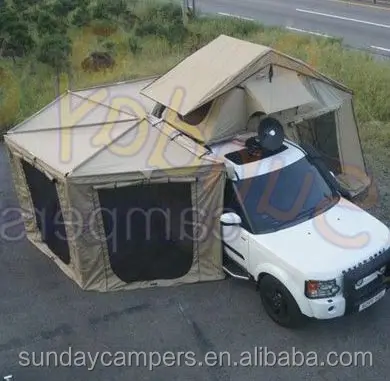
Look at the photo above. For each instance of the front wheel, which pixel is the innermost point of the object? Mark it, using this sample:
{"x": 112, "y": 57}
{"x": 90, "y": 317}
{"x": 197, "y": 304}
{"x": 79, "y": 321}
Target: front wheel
{"x": 279, "y": 304}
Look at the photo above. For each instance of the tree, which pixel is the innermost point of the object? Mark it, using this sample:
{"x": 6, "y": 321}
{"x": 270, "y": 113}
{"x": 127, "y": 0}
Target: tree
{"x": 106, "y": 9}
{"x": 22, "y": 5}
{"x": 61, "y": 8}
{"x": 81, "y": 17}
{"x": 55, "y": 51}
{"x": 7, "y": 18}
{"x": 49, "y": 25}
{"x": 15, "y": 38}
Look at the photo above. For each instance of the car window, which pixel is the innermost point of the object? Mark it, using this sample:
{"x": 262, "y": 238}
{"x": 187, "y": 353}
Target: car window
{"x": 231, "y": 203}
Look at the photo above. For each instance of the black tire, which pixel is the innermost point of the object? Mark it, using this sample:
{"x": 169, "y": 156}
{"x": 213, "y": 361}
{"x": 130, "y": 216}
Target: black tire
{"x": 279, "y": 304}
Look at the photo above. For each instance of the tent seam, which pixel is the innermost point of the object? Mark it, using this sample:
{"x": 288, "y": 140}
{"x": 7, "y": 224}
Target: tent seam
{"x": 102, "y": 104}
{"x": 94, "y": 202}
{"x": 141, "y": 79}
{"x": 73, "y": 127}
{"x": 80, "y": 165}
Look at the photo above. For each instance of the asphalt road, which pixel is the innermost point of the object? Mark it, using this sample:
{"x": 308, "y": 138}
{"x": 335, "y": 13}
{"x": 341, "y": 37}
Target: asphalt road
{"x": 41, "y": 310}
{"x": 360, "y": 24}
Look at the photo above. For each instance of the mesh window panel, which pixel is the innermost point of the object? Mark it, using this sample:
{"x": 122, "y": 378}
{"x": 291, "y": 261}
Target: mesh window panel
{"x": 149, "y": 230}
{"x": 326, "y": 140}
{"x": 47, "y": 211}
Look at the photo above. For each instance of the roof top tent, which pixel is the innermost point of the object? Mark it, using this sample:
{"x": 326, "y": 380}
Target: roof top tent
{"x": 118, "y": 201}
{"x": 230, "y": 96}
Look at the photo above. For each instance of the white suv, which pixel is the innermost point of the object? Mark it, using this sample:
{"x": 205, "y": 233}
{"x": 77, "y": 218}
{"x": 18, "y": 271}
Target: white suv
{"x": 311, "y": 252}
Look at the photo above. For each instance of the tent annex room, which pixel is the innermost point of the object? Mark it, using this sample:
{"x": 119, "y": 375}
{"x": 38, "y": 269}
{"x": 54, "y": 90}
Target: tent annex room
{"x": 117, "y": 201}
{"x": 238, "y": 82}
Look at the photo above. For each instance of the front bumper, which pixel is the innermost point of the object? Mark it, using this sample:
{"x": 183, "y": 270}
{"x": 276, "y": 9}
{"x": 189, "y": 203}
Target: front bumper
{"x": 327, "y": 308}
{"x": 353, "y": 298}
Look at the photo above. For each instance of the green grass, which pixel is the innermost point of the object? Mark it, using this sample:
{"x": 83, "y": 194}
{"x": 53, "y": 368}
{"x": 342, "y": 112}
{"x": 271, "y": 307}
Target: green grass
{"x": 32, "y": 84}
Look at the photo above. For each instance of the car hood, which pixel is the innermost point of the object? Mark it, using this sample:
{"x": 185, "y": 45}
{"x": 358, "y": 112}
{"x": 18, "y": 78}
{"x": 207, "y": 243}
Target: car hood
{"x": 333, "y": 241}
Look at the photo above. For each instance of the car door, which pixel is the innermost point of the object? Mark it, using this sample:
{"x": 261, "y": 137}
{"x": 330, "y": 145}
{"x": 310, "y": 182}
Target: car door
{"x": 235, "y": 237}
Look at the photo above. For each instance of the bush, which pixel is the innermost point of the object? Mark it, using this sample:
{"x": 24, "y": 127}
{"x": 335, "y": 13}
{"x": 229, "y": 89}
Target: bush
{"x": 54, "y": 51}
{"x": 47, "y": 24}
{"x": 134, "y": 45}
{"x": 81, "y": 17}
{"x": 18, "y": 41}
{"x": 163, "y": 12}
{"x": 107, "y": 9}
{"x": 174, "y": 33}
{"x": 61, "y": 8}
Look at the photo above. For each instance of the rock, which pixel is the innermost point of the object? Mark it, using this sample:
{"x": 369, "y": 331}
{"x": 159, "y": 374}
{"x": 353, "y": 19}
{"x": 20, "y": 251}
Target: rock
{"x": 98, "y": 61}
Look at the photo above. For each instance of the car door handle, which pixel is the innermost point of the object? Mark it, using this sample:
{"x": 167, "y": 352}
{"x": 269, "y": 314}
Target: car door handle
{"x": 243, "y": 238}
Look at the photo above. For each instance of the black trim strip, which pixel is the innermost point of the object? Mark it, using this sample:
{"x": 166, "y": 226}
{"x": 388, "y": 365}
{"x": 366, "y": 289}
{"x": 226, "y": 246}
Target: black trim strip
{"x": 229, "y": 224}
{"x": 234, "y": 251}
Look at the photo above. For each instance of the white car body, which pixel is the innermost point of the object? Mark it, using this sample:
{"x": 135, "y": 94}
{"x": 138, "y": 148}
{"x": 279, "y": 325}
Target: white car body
{"x": 322, "y": 248}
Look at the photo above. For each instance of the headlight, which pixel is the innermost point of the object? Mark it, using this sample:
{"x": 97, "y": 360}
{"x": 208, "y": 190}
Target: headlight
{"x": 315, "y": 289}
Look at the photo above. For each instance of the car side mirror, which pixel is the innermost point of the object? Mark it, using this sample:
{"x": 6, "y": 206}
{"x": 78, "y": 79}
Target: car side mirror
{"x": 230, "y": 219}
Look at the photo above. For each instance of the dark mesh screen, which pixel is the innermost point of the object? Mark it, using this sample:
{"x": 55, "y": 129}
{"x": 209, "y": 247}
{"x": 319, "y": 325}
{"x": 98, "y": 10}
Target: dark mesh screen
{"x": 47, "y": 211}
{"x": 149, "y": 230}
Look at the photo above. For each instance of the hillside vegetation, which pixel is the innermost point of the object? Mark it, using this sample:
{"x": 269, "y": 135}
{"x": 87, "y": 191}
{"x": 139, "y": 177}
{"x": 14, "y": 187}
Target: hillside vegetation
{"x": 42, "y": 41}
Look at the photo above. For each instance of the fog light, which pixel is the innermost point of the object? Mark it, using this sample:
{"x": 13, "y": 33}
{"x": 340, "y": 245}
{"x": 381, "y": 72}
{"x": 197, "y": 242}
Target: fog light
{"x": 359, "y": 282}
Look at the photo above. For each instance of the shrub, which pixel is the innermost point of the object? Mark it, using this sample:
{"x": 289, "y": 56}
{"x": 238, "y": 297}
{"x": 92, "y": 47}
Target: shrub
{"x": 134, "y": 45}
{"x": 61, "y": 8}
{"x": 81, "y": 17}
{"x": 173, "y": 32}
{"x": 18, "y": 41}
{"x": 170, "y": 12}
{"x": 54, "y": 50}
{"x": 47, "y": 24}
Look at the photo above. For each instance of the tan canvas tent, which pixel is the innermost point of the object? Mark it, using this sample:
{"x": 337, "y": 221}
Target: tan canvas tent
{"x": 118, "y": 199}
{"x": 225, "y": 87}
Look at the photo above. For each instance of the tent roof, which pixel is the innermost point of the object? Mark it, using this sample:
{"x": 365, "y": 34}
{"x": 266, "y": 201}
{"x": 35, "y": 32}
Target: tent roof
{"x": 124, "y": 94}
{"x": 216, "y": 68}
{"x": 120, "y": 101}
{"x": 104, "y": 130}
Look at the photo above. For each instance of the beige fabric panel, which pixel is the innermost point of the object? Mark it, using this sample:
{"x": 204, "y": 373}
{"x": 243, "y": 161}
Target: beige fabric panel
{"x": 115, "y": 284}
{"x": 226, "y": 117}
{"x": 25, "y": 202}
{"x": 22, "y": 193}
{"x": 282, "y": 93}
{"x": 141, "y": 152}
{"x": 123, "y": 95}
{"x": 31, "y": 159}
{"x": 68, "y": 271}
{"x": 301, "y": 67}
{"x": 89, "y": 238}
{"x": 71, "y": 110}
{"x": 70, "y": 229}
{"x": 354, "y": 171}
{"x": 210, "y": 191}
{"x": 158, "y": 174}
{"x": 231, "y": 117}
{"x": 66, "y": 149}
{"x": 183, "y": 91}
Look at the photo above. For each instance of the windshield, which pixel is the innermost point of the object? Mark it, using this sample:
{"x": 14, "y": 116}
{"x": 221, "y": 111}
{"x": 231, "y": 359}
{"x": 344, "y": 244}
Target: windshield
{"x": 285, "y": 197}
